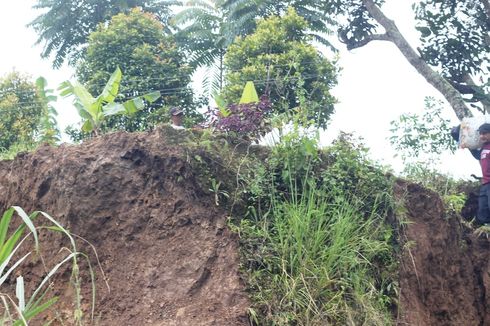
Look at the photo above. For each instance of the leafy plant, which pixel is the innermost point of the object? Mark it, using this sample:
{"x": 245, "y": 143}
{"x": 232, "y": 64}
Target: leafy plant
{"x": 318, "y": 251}
{"x": 215, "y": 188}
{"x": 21, "y": 111}
{"x": 275, "y": 57}
{"x": 455, "y": 202}
{"x": 247, "y": 119}
{"x": 50, "y": 132}
{"x": 25, "y": 307}
{"x": 422, "y": 136}
{"x": 94, "y": 111}
{"x": 139, "y": 44}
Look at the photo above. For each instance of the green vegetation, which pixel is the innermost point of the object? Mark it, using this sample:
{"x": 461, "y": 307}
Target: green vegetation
{"x": 28, "y": 306}
{"x": 283, "y": 66}
{"x": 50, "y": 132}
{"x": 21, "y": 111}
{"x": 316, "y": 245}
{"x": 150, "y": 61}
{"x": 64, "y": 25}
{"x": 424, "y": 136}
{"x": 95, "y": 111}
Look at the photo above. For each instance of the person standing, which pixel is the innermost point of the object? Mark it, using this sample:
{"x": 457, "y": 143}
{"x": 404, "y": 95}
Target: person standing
{"x": 483, "y": 155}
{"x": 483, "y": 215}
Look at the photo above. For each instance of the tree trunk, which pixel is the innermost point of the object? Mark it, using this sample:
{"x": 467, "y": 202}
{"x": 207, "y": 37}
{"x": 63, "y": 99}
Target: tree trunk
{"x": 442, "y": 85}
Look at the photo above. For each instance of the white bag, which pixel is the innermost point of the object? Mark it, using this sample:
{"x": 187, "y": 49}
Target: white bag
{"x": 469, "y": 136}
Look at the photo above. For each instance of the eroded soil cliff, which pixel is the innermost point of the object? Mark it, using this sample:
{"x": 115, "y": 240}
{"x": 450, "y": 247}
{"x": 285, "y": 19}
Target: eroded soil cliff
{"x": 169, "y": 257}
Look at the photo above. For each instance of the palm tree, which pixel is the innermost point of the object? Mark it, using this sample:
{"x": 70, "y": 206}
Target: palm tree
{"x": 244, "y": 14}
{"x": 65, "y": 25}
{"x": 206, "y": 34}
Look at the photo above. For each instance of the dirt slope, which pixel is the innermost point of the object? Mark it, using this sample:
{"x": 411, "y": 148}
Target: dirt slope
{"x": 167, "y": 252}
{"x": 445, "y": 269}
{"x": 163, "y": 243}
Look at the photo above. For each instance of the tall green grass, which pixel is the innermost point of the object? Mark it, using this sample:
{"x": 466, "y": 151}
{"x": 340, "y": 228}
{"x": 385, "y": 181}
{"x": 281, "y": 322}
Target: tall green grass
{"x": 319, "y": 255}
{"x": 25, "y": 306}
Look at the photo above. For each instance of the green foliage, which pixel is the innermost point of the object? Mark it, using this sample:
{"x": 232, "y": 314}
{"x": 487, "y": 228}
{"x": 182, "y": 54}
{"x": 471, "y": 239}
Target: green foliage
{"x": 427, "y": 135}
{"x": 350, "y": 171}
{"x": 244, "y": 15}
{"x": 316, "y": 249}
{"x": 50, "y": 132}
{"x": 150, "y": 60}
{"x": 455, "y": 202}
{"x": 15, "y": 149}
{"x": 63, "y": 26}
{"x": 21, "y": 111}
{"x": 94, "y": 111}
{"x": 454, "y": 37}
{"x": 283, "y": 66}
{"x": 205, "y": 35}
{"x": 28, "y": 307}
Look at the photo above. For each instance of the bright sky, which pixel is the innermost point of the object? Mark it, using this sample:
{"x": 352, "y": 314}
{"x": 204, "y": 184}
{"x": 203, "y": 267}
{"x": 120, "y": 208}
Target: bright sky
{"x": 376, "y": 85}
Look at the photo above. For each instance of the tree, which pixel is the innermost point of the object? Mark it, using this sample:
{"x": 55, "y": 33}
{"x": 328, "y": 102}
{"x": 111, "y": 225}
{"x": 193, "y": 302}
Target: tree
{"x": 364, "y": 21}
{"x": 416, "y": 136}
{"x": 205, "y": 35}
{"x": 283, "y": 66}
{"x": 50, "y": 132}
{"x": 244, "y": 14}
{"x": 64, "y": 26}
{"x": 455, "y": 37}
{"x": 149, "y": 60}
{"x": 21, "y": 111}
{"x": 210, "y": 26}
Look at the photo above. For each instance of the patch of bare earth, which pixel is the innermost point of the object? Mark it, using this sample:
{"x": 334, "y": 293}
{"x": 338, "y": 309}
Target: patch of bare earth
{"x": 445, "y": 267}
{"x": 167, "y": 253}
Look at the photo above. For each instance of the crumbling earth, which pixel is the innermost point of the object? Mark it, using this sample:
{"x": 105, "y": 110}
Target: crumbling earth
{"x": 169, "y": 257}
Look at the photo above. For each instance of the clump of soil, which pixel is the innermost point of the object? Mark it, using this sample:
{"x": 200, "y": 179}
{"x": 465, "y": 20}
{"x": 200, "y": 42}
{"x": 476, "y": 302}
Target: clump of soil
{"x": 164, "y": 245}
{"x": 445, "y": 267}
{"x": 168, "y": 255}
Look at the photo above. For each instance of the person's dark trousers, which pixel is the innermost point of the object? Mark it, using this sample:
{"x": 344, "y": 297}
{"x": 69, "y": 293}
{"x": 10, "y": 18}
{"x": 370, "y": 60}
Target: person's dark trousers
{"x": 484, "y": 205}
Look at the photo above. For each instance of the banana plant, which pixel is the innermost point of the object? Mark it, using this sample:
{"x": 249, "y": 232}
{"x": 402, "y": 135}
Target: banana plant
{"x": 94, "y": 110}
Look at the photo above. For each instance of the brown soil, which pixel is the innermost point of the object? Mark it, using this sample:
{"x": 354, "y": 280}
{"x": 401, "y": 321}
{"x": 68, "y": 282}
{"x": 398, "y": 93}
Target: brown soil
{"x": 169, "y": 257}
{"x": 445, "y": 266}
{"x": 162, "y": 242}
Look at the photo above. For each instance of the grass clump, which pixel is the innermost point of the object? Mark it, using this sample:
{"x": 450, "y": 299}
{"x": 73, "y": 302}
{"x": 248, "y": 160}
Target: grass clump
{"x": 319, "y": 252}
{"x": 25, "y": 306}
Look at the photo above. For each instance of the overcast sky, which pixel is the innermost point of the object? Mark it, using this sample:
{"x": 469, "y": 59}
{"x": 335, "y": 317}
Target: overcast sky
{"x": 376, "y": 84}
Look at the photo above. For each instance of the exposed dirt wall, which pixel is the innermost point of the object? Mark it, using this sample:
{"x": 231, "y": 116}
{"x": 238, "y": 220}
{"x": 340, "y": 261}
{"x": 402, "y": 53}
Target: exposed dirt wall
{"x": 445, "y": 268}
{"x": 164, "y": 245}
{"x": 169, "y": 256}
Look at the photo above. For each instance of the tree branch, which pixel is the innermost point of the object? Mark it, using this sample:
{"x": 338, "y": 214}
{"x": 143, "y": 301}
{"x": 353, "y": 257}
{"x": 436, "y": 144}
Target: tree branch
{"x": 442, "y": 85}
{"x": 374, "y": 37}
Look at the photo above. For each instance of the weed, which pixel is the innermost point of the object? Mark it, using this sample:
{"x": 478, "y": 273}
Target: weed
{"x": 215, "y": 188}
{"x": 26, "y": 308}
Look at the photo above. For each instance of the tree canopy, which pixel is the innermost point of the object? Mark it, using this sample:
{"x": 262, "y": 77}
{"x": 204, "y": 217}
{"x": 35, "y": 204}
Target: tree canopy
{"x": 21, "y": 110}
{"x": 64, "y": 26}
{"x": 441, "y": 30}
{"x": 282, "y": 65}
{"x": 205, "y": 35}
{"x": 455, "y": 37}
{"x": 149, "y": 60}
